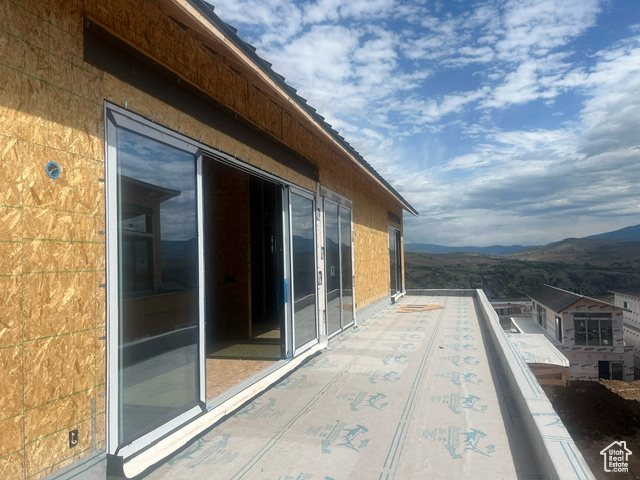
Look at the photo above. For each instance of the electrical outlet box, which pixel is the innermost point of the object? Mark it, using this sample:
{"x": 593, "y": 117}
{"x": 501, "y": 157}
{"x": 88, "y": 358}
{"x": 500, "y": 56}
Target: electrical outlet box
{"x": 73, "y": 438}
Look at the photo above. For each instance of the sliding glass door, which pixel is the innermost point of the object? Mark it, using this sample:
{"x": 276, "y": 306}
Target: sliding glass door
{"x": 156, "y": 279}
{"x": 395, "y": 262}
{"x": 338, "y": 266}
{"x": 303, "y": 266}
{"x": 154, "y": 282}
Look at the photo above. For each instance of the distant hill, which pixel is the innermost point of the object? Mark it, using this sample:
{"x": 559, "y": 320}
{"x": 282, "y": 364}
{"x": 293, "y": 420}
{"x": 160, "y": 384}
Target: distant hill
{"x": 592, "y": 266}
{"x": 583, "y": 251}
{"x": 492, "y": 250}
{"x": 628, "y": 233}
{"x": 631, "y": 233}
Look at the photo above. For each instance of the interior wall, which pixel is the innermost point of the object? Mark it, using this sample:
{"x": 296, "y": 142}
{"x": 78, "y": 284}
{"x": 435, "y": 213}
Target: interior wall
{"x": 227, "y": 250}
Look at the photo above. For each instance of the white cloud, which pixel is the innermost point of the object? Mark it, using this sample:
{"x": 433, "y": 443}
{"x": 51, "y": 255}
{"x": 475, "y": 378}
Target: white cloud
{"x": 536, "y": 28}
{"x": 434, "y": 98}
{"x": 612, "y": 115}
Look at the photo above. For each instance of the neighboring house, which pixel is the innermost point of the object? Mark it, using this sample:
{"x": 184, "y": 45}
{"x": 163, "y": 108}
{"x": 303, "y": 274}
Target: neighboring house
{"x": 168, "y": 203}
{"x": 587, "y": 331}
{"x": 512, "y": 308}
{"x": 629, "y": 299}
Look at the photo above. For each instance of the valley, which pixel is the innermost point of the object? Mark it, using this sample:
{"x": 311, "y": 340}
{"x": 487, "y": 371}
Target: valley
{"x": 589, "y": 266}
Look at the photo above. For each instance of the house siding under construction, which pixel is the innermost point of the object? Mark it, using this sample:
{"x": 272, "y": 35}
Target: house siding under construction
{"x": 169, "y": 204}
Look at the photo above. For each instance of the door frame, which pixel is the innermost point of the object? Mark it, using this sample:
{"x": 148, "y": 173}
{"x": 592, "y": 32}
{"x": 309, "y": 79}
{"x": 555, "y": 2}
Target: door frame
{"x": 397, "y": 233}
{"x": 290, "y": 280}
{"x": 116, "y": 117}
{"x": 342, "y": 203}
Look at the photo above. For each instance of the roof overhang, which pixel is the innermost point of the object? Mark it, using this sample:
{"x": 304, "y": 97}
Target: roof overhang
{"x": 210, "y": 30}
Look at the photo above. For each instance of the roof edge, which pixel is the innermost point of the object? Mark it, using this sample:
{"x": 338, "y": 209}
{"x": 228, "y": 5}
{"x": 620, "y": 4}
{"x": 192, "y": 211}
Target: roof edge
{"x": 204, "y": 13}
{"x": 580, "y": 297}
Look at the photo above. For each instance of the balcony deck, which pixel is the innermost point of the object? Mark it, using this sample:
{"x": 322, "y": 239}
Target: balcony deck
{"x": 415, "y": 392}
{"x": 429, "y": 387}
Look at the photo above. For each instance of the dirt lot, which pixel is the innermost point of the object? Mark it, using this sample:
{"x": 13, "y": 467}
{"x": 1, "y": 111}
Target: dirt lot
{"x": 597, "y": 413}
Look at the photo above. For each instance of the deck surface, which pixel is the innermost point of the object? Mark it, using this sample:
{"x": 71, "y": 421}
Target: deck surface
{"x": 412, "y": 393}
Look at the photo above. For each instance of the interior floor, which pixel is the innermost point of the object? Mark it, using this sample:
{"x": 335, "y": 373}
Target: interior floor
{"x": 243, "y": 275}
{"x": 264, "y": 344}
{"x": 224, "y": 373}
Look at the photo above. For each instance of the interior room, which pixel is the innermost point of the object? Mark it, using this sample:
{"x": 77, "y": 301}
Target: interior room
{"x": 244, "y": 274}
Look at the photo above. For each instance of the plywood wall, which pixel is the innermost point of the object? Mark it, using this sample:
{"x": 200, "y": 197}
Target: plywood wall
{"x": 52, "y": 241}
{"x": 52, "y": 321}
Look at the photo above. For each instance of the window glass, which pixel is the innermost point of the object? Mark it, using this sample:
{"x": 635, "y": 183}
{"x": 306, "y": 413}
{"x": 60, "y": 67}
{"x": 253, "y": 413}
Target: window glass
{"x": 158, "y": 283}
{"x": 581, "y": 332}
{"x": 345, "y": 262}
{"x": 304, "y": 269}
{"x": 606, "y": 332}
{"x": 332, "y": 261}
{"x": 593, "y": 332}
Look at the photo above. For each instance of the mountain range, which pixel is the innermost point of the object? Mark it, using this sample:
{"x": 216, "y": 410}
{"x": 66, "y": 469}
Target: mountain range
{"x": 595, "y": 266}
{"x": 630, "y": 234}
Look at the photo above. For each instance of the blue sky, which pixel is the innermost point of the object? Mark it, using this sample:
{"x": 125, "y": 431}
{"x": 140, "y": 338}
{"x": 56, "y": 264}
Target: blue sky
{"x": 501, "y": 121}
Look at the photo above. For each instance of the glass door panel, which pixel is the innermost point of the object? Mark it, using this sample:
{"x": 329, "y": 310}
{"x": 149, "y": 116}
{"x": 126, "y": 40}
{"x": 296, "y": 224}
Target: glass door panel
{"x": 338, "y": 266}
{"x": 157, "y": 283}
{"x": 393, "y": 262}
{"x": 303, "y": 247}
{"x": 332, "y": 261}
{"x": 346, "y": 267}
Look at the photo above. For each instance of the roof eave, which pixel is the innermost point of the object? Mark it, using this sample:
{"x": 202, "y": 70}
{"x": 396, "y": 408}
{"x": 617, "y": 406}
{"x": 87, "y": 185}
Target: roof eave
{"x": 201, "y": 12}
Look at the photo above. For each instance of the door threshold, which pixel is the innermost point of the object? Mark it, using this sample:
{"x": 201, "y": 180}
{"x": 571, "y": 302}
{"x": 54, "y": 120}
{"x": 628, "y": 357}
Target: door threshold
{"x": 397, "y": 296}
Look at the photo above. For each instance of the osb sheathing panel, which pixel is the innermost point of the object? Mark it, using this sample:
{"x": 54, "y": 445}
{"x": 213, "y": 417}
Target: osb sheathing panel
{"x": 11, "y": 436}
{"x": 11, "y": 183}
{"x": 55, "y": 416}
{"x": 12, "y": 380}
{"x": 51, "y": 254}
{"x": 56, "y": 445}
{"x": 149, "y": 107}
{"x": 12, "y": 465}
{"x": 11, "y": 312}
{"x": 265, "y": 112}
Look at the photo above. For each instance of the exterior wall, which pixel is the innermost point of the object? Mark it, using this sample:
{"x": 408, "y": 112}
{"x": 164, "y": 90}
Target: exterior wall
{"x": 631, "y": 322}
{"x": 584, "y": 359}
{"x": 370, "y": 204}
{"x": 584, "y": 365}
{"x": 371, "y": 223}
{"x": 52, "y": 321}
{"x": 396, "y": 213}
{"x": 52, "y": 266}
